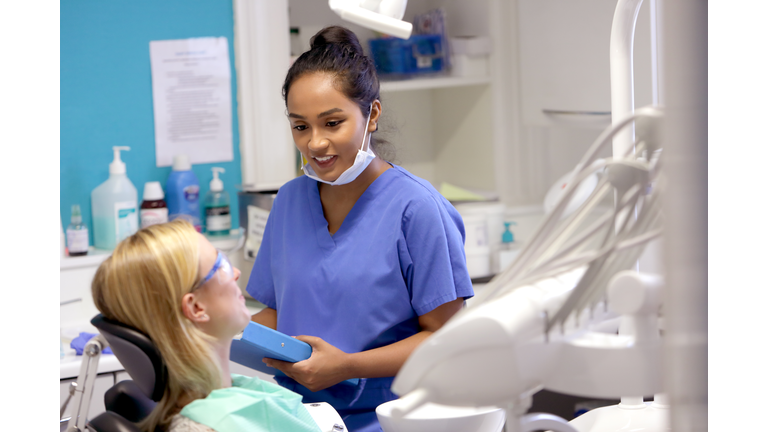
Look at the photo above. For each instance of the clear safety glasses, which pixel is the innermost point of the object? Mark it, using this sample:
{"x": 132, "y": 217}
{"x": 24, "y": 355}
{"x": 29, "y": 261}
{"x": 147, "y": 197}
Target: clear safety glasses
{"x": 222, "y": 263}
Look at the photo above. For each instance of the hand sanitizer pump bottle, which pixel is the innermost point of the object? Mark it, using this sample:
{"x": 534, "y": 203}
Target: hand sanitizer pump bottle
{"x": 509, "y": 248}
{"x": 218, "y": 220}
{"x": 114, "y": 206}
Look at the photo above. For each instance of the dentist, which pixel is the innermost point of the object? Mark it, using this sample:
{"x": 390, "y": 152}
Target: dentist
{"x": 360, "y": 258}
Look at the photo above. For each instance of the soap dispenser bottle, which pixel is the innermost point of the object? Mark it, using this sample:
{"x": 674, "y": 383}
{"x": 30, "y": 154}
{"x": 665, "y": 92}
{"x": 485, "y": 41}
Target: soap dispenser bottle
{"x": 507, "y": 238}
{"x": 218, "y": 220}
{"x": 114, "y": 206}
{"x": 509, "y": 249}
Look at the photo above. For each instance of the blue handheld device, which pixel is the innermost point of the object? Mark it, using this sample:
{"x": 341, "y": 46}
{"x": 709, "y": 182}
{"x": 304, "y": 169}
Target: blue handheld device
{"x": 259, "y": 341}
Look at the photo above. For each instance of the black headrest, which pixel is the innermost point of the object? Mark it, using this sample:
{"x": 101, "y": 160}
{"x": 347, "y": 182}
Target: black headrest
{"x": 138, "y": 355}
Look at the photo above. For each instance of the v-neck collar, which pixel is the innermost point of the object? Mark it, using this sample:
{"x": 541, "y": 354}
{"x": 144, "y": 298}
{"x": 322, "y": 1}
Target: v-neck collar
{"x": 327, "y": 241}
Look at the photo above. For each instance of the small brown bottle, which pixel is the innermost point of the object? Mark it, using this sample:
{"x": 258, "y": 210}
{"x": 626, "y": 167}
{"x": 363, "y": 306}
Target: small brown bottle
{"x": 153, "y": 209}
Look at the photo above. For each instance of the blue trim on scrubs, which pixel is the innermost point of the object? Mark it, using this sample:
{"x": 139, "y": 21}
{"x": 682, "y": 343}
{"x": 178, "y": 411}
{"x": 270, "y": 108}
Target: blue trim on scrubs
{"x": 398, "y": 254}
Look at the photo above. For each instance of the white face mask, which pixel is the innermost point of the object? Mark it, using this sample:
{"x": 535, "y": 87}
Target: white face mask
{"x": 362, "y": 160}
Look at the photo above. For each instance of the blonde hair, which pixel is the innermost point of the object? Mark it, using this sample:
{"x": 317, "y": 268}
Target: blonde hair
{"x": 142, "y": 285}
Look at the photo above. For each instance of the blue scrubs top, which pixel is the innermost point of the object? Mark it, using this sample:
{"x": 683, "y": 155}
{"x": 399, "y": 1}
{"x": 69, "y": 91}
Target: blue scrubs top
{"x": 398, "y": 254}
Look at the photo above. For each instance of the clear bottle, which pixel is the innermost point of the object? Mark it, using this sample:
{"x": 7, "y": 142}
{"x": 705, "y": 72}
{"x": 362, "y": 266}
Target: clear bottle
{"x": 77, "y": 234}
{"x": 218, "y": 220}
{"x": 153, "y": 208}
{"x": 114, "y": 206}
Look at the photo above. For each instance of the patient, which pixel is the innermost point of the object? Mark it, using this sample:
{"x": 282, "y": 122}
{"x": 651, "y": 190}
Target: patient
{"x": 170, "y": 283}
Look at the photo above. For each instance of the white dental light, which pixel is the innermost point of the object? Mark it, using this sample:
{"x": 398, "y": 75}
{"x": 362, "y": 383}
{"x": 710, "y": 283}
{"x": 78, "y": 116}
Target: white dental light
{"x": 380, "y": 15}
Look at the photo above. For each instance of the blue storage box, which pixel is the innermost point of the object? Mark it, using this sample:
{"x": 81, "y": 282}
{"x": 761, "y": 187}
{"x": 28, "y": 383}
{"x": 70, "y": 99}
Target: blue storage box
{"x": 419, "y": 54}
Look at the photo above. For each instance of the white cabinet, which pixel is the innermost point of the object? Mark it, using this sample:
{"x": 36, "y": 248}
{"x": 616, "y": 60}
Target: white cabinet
{"x": 101, "y": 384}
{"x": 77, "y": 309}
{"x": 564, "y": 60}
{"x": 262, "y": 57}
{"x": 443, "y": 134}
{"x": 555, "y": 56}
{"x": 76, "y": 275}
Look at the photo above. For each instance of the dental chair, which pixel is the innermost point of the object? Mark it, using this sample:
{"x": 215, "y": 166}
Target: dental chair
{"x": 130, "y": 401}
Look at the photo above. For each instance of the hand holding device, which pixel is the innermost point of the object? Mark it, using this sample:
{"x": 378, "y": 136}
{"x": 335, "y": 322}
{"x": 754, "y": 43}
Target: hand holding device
{"x": 326, "y": 366}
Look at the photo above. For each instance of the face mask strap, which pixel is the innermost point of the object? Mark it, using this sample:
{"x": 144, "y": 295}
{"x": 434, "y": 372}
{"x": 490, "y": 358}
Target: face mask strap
{"x": 301, "y": 161}
{"x": 366, "y": 133}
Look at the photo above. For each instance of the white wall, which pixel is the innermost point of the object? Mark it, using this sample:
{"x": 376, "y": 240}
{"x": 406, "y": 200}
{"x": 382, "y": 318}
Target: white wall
{"x": 464, "y": 137}
{"x": 443, "y": 135}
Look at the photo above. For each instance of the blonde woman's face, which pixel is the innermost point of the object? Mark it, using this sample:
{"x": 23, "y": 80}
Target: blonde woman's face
{"x": 221, "y": 297}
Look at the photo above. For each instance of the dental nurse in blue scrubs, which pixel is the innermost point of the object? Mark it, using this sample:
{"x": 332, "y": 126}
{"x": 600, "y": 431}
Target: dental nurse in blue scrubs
{"x": 360, "y": 258}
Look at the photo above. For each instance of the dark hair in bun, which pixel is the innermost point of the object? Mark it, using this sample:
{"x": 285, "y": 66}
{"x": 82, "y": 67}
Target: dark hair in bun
{"x": 336, "y": 50}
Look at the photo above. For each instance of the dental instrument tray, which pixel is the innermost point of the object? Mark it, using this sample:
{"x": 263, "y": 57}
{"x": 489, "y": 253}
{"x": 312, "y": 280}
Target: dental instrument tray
{"x": 259, "y": 341}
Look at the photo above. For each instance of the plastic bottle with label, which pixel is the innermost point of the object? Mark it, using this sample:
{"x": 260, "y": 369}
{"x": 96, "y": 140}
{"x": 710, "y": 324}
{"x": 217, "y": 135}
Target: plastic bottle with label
{"x": 218, "y": 219}
{"x": 183, "y": 192}
{"x": 77, "y": 234}
{"x": 509, "y": 249}
{"x": 114, "y": 206}
{"x": 153, "y": 208}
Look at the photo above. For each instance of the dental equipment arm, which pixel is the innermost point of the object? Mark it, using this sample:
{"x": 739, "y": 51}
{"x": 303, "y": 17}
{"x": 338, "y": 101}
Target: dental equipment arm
{"x": 84, "y": 389}
{"x": 532, "y": 326}
{"x": 380, "y": 15}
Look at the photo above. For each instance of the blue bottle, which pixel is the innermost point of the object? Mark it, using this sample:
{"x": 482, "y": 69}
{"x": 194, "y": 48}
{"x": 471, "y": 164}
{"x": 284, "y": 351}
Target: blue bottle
{"x": 183, "y": 193}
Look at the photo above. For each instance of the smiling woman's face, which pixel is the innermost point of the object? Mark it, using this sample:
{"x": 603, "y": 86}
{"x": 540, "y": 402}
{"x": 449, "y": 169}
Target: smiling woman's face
{"x": 327, "y": 127}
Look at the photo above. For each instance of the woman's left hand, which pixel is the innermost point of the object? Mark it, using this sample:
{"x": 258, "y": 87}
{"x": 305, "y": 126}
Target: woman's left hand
{"x": 325, "y": 367}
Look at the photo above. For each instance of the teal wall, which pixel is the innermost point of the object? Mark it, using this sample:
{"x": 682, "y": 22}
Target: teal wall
{"x": 106, "y": 91}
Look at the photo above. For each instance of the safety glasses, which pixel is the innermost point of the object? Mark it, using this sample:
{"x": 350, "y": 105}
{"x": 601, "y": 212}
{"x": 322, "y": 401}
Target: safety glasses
{"x": 222, "y": 263}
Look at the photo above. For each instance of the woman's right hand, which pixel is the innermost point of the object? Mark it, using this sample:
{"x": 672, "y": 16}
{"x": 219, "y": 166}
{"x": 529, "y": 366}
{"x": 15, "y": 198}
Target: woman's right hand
{"x": 326, "y": 366}
{"x": 266, "y": 317}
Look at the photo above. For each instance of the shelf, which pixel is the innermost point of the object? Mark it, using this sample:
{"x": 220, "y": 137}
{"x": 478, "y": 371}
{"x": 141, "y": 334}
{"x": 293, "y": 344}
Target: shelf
{"x": 432, "y": 83}
{"x": 94, "y": 258}
{"x": 227, "y": 243}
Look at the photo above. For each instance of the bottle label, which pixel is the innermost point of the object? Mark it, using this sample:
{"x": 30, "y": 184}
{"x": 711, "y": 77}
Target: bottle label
{"x": 191, "y": 219}
{"x": 153, "y": 216}
{"x": 217, "y": 219}
{"x": 77, "y": 240}
{"x": 257, "y": 223}
{"x": 191, "y": 193}
{"x": 126, "y": 219}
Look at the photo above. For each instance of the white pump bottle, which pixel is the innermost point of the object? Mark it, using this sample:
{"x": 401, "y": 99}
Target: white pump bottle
{"x": 114, "y": 206}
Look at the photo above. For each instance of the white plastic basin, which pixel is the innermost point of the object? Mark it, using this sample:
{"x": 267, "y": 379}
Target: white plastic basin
{"x": 440, "y": 418}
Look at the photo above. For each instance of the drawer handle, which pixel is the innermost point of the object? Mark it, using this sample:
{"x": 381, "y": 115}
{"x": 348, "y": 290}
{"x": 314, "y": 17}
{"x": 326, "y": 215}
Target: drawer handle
{"x": 576, "y": 113}
{"x": 66, "y": 302}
